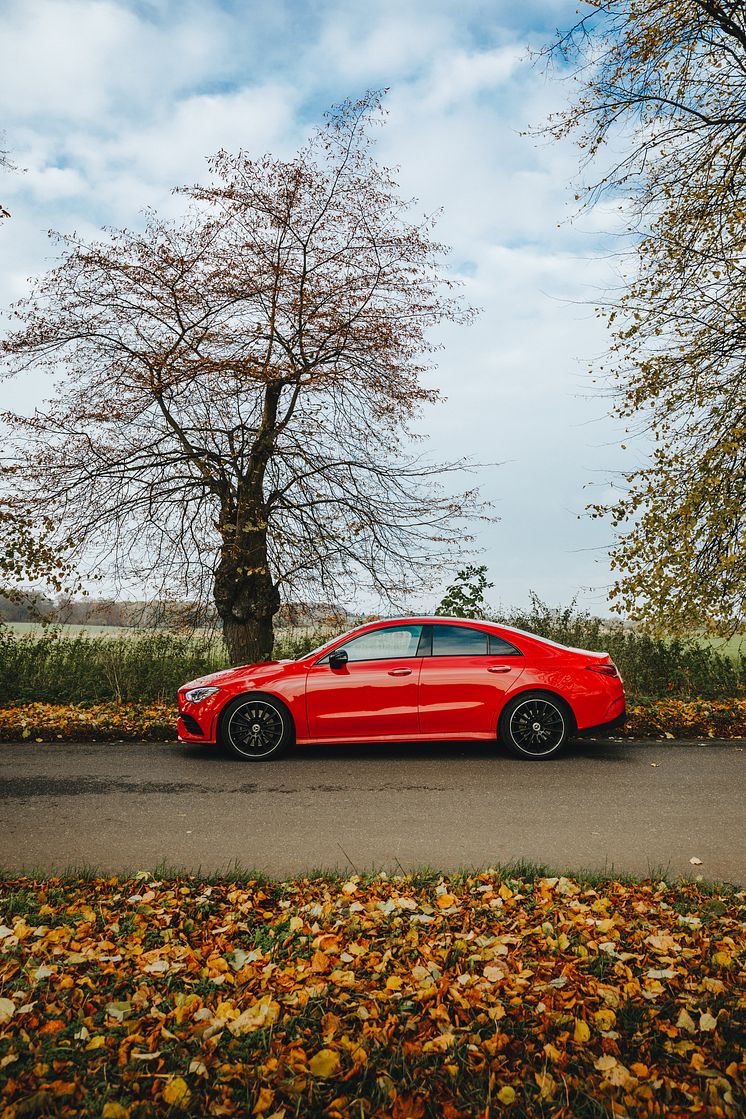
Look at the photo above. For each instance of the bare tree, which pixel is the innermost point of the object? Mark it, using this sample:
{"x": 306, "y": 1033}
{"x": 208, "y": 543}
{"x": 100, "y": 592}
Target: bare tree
{"x": 5, "y": 165}
{"x": 238, "y": 385}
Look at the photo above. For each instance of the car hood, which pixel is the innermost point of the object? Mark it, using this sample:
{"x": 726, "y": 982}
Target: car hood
{"x": 261, "y": 671}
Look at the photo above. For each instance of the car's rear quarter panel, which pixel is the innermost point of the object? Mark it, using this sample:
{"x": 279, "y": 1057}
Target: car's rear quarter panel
{"x": 592, "y": 698}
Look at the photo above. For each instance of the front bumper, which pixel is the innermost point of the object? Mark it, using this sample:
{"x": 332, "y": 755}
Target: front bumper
{"x": 198, "y": 721}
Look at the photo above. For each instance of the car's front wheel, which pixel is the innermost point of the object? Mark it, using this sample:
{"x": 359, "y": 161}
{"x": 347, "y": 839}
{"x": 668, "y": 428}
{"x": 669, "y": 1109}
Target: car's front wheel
{"x": 255, "y": 727}
{"x": 534, "y": 725}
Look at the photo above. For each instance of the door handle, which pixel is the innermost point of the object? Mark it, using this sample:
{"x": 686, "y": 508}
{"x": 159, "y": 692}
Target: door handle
{"x": 400, "y": 672}
{"x": 500, "y": 668}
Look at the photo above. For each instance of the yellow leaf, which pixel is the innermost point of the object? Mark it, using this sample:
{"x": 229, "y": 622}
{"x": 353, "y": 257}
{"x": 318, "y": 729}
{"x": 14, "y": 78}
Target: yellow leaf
{"x": 603, "y": 1064}
{"x": 445, "y": 901}
{"x": 264, "y": 1100}
{"x": 262, "y": 1013}
{"x": 546, "y": 1084}
{"x": 176, "y": 1092}
{"x": 707, "y": 1022}
{"x": 605, "y": 1019}
{"x": 506, "y": 1095}
{"x": 114, "y": 1110}
{"x": 97, "y": 1042}
{"x": 325, "y": 1063}
{"x": 226, "y": 1011}
{"x": 394, "y": 983}
{"x": 7, "y": 1010}
{"x": 685, "y": 1021}
{"x": 582, "y": 1031}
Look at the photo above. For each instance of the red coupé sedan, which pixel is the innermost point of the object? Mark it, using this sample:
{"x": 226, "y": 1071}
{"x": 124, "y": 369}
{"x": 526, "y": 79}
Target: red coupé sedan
{"x": 414, "y": 679}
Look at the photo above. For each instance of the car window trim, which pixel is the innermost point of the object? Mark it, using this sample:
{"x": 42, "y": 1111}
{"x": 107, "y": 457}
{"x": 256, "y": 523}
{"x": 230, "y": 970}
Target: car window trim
{"x": 469, "y": 653}
{"x": 376, "y": 660}
{"x": 515, "y": 651}
{"x": 488, "y": 633}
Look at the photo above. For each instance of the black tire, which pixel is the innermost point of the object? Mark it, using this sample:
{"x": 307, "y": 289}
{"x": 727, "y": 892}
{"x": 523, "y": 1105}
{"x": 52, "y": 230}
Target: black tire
{"x": 255, "y": 727}
{"x": 535, "y": 725}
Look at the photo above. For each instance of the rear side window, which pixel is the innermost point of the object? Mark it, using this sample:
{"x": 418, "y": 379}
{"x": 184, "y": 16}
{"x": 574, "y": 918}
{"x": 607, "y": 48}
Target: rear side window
{"x": 459, "y": 641}
{"x": 499, "y": 647}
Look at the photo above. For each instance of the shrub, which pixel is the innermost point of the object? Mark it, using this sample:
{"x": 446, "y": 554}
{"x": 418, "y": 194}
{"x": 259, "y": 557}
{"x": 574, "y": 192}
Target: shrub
{"x": 149, "y": 666}
{"x": 650, "y": 666}
{"x": 51, "y": 667}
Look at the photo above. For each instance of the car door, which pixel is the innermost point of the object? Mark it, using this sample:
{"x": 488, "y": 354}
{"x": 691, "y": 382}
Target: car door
{"x": 463, "y": 682}
{"x": 373, "y": 695}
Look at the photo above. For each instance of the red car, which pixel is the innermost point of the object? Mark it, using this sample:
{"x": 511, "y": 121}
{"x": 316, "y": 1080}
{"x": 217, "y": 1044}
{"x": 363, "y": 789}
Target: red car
{"x": 414, "y": 679}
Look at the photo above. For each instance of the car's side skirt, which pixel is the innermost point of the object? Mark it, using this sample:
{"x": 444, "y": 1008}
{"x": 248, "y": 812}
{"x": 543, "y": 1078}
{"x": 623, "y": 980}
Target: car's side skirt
{"x": 483, "y": 737}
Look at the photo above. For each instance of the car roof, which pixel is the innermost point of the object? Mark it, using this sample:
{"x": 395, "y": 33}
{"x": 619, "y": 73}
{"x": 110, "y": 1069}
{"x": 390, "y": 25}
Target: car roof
{"x": 423, "y": 619}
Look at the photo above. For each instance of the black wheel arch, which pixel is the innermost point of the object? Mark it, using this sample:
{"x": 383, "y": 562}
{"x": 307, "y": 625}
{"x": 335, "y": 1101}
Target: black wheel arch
{"x": 545, "y": 693}
{"x": 254, "y": 693}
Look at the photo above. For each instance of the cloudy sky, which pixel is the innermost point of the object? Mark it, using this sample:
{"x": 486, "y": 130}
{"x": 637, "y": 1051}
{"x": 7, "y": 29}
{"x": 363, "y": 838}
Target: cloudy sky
{"x": 107, "y": 104}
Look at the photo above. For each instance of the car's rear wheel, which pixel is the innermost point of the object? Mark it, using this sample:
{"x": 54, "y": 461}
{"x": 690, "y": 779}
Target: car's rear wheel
{"x": 535, "y": 725}
{"x": 256, "y": 727}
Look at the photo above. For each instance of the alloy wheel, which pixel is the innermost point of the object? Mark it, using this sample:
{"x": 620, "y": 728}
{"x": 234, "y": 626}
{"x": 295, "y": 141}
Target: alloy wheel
{"x": 256, "y": 728}
{"x": 537, "y": 727}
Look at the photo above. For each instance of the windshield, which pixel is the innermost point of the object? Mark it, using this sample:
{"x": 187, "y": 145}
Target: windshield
{"x": 330, "y": 641}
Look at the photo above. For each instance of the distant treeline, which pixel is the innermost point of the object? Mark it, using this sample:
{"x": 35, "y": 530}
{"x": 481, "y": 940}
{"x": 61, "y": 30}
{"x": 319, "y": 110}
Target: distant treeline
{"x": 64, "y": 610}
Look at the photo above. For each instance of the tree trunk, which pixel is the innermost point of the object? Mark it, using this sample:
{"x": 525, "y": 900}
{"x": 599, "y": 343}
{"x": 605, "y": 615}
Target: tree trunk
{"x": 245, "y": 594}
{"x": 249, "y": 641}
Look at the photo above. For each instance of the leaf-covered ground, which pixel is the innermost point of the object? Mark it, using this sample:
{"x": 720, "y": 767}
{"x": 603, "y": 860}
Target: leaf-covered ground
{"x": 49, "y": 722}
{"x": 415, "y": 996}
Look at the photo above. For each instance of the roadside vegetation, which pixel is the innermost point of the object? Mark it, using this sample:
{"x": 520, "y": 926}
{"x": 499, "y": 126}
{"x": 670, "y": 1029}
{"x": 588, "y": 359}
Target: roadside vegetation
{"x": 156, "y": 721}
{"x": 500, "y": 993}
{"x": 57, "y": 686}
{"x": 55, "y": 667}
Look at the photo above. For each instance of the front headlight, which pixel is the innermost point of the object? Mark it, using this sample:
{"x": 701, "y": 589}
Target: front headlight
{"x": 196, "y": 695}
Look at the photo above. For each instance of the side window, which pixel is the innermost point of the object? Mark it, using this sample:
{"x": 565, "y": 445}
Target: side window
{"x": 388, "y": 643}
{"x": 459, "y": 641}
{"x": 499, "y": 647}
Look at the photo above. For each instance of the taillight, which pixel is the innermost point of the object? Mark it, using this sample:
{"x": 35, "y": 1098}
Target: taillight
{"x": 603, "y": 669}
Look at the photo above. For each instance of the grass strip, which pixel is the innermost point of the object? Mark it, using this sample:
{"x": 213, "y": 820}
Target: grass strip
{"x": 498, "y": 993}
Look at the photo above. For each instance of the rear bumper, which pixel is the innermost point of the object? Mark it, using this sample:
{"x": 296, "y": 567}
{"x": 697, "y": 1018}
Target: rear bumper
{"x": 605, "y": 728}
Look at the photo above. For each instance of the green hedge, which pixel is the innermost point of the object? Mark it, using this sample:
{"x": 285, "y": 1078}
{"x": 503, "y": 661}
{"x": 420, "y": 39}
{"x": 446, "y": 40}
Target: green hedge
{"x": 650, "y": 666}
{"x": 55, "y": 668}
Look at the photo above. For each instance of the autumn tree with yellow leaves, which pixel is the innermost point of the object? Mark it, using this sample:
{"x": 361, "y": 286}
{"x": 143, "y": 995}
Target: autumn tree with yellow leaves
{"x": 663, "y": 84}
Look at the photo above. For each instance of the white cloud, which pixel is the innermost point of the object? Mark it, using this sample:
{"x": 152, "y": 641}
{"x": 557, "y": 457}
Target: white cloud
{"x": 381, "y": 43}
{"x": 110, "y": 104}
{"x": 79, "y": 60}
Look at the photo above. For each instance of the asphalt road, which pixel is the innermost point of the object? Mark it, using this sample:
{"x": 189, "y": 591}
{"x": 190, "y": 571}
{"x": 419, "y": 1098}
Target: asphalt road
{"x": 604, "y": 805}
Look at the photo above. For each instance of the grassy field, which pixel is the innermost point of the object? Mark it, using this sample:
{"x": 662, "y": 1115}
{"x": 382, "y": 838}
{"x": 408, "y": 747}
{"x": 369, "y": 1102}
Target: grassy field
{"x": 728, "y": 646}
{"x": 72, "y": 631}
{"x": 509, "y": 992}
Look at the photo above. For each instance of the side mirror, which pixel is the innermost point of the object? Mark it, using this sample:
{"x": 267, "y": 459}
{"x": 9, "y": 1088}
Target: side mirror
{"x": 338, "y": 659}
